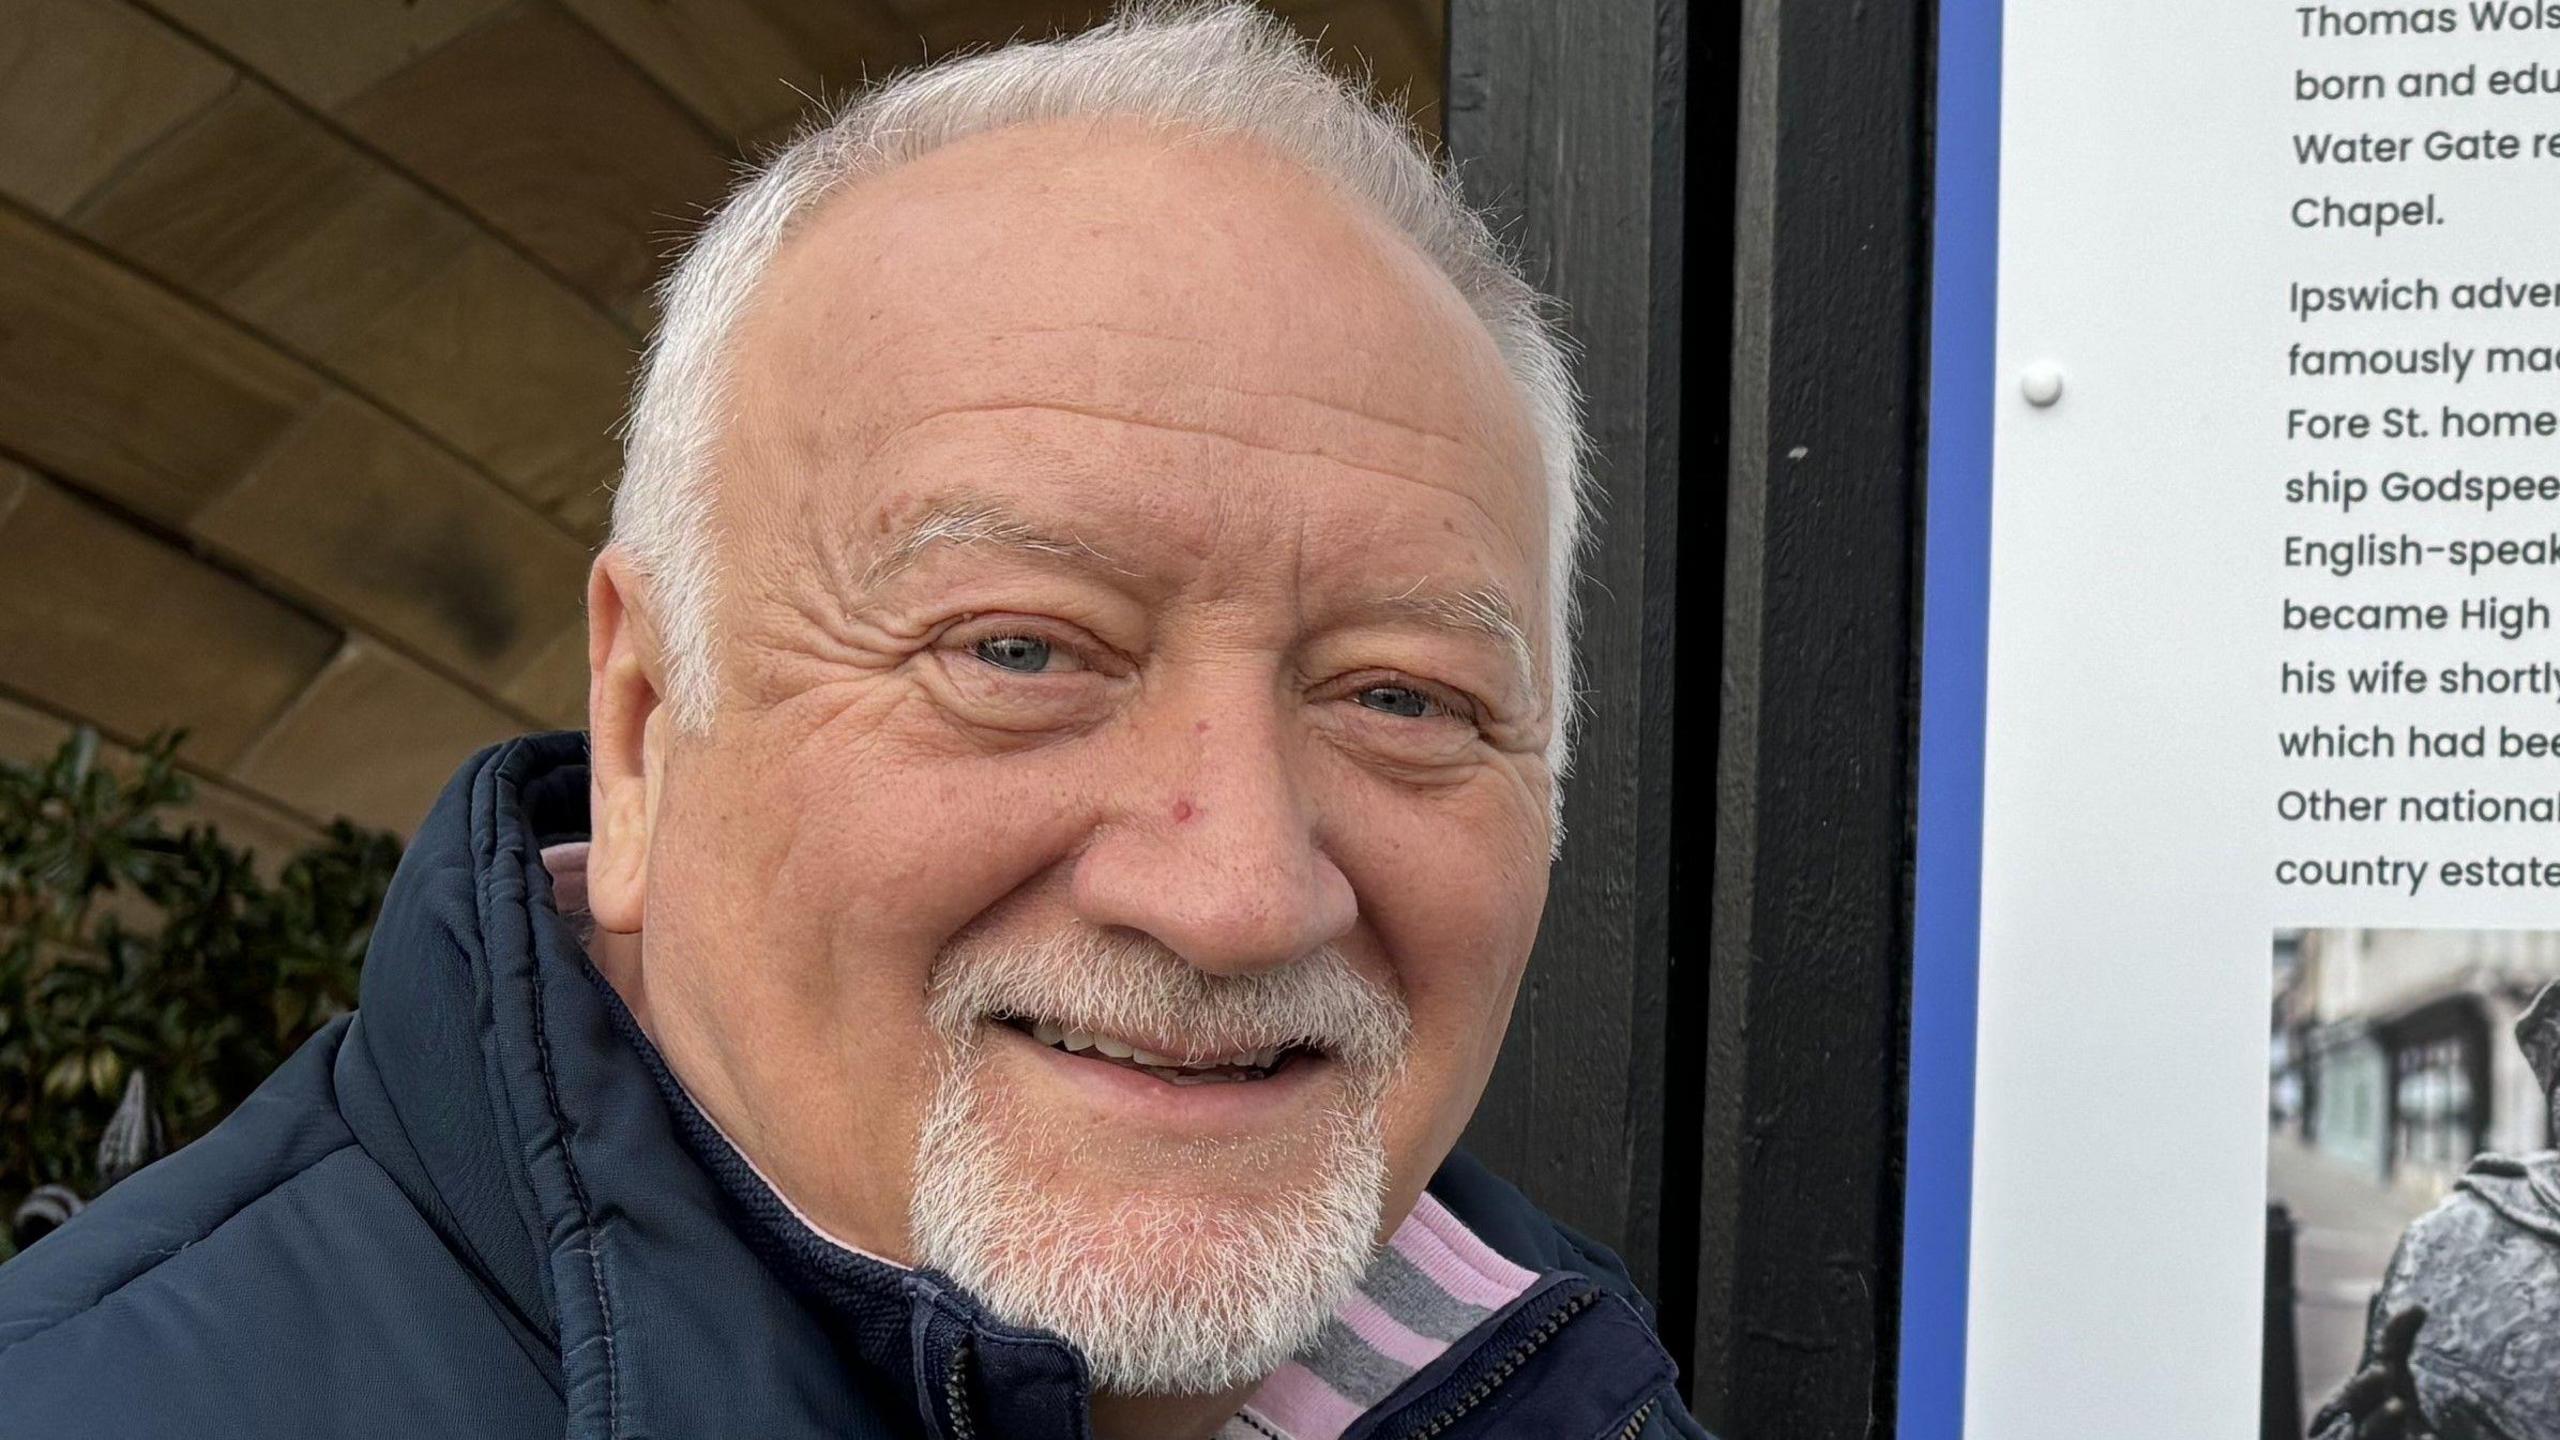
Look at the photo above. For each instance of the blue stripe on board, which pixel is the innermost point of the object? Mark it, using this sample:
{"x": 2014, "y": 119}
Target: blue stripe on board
{"x": 1947, "y": 907}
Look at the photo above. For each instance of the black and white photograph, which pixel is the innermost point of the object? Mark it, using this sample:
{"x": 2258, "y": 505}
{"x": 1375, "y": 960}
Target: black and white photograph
{"x": 2413, "y": 1195}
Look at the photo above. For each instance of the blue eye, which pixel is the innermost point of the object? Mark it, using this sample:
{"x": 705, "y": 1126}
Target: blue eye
{"x": 1022, "y": 654}
{"x": 1402, "y": 701}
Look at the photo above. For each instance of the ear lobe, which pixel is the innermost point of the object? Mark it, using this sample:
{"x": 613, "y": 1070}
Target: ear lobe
{"x": 626, "y": 720}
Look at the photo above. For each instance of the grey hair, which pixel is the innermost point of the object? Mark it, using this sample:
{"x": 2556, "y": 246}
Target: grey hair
{"x": 1208, "y": 69}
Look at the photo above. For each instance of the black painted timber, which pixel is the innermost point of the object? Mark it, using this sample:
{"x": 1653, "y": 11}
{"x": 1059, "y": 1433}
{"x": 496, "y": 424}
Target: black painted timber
{"x": 1706, "y": 1069}
{"x": 1715, "y": 36}
{"x": 1807, "y": 1008}
{"x": 1566, "y": 120}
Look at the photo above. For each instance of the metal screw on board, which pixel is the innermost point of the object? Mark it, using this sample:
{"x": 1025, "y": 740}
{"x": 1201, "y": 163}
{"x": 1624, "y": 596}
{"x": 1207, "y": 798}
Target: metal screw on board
{"x": 2042, "y": 384}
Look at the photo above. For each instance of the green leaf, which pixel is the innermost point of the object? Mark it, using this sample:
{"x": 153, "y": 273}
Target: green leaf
{"x": 106, "y": 1070}
{"x": 123, "y": 943}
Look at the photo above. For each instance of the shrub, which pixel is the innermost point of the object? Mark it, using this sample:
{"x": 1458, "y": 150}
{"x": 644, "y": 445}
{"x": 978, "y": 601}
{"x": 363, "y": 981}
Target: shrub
{"x": 124, "y": 947}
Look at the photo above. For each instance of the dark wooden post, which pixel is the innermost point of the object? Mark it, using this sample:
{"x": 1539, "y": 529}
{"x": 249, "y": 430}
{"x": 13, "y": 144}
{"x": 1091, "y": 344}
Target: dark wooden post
{"x": 1567, "y": 120}
{"x": 1809, "y": 978}
{"x": 1707, "y": 1066}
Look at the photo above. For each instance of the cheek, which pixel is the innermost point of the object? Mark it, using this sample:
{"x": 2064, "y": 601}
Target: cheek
{"x": 1460, "y": 976}
{"x": 898, "y": 847}
{"x": 803, "y": 882}
{"x": 812, "y": 862}
{"x": 1456, "y": 917}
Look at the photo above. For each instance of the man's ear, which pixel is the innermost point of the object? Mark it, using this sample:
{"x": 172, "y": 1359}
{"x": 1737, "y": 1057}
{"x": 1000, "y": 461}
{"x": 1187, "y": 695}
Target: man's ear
{"x": 627, "y": 727}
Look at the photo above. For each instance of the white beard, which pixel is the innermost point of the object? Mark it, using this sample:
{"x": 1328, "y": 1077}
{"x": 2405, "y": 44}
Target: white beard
{"x": 1172, "y": 1292}
{"x": 1170, "y": 1295}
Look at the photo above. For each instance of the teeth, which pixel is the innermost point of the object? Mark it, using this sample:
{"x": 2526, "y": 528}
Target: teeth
{"x": 1206, "y": 1070}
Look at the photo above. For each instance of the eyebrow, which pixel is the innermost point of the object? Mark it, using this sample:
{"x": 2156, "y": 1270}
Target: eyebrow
{"x": 975, "y": 523}
{"x": 1481, "y": 609}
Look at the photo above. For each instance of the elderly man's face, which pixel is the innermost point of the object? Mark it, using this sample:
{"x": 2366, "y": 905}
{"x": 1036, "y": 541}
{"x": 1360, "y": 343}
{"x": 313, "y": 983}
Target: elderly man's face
{"x": 1132, "y": 581}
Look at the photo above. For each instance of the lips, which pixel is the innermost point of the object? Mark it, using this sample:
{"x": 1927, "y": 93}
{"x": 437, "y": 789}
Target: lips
{"x": 1175, "y": 1064}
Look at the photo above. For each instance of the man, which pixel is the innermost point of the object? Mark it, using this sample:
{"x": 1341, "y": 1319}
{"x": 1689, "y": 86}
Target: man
{"x": 2463, "y": 1337}
{"x": 1078, "y": 687}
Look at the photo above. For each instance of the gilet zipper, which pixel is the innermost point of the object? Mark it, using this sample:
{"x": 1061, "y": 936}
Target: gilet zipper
{"x": 955, "y": 1394}
{"x": 1494, "y": 1379}
{"x": 1636, "y": 1422}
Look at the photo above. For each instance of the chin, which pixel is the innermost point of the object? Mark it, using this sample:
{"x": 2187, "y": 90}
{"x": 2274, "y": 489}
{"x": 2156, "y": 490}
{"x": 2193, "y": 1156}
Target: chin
{"x": 1180, "y": 1258}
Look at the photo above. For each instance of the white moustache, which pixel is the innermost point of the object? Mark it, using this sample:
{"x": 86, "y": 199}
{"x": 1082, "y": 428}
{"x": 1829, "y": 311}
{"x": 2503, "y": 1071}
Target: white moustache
{"x": 1129, "y": 985}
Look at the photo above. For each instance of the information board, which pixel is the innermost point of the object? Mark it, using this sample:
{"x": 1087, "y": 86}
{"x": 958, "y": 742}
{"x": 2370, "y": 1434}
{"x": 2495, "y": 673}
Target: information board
{"x": 2240, "y": 808}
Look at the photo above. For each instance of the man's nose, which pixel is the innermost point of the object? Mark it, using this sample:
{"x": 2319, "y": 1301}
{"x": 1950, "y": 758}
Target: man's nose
{"x": 1214, "y": 849}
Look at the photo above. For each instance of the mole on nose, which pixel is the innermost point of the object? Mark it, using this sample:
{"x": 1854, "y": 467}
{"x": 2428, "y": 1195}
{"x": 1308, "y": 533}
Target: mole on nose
{"x": 1183, "y": 810}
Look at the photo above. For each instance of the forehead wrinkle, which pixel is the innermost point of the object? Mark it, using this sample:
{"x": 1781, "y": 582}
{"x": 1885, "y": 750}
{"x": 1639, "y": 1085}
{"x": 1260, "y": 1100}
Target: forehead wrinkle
{"x": 1092, "y": 411}
{"x": 1470, "y": 431}
{"x": 1137, "y": 375}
